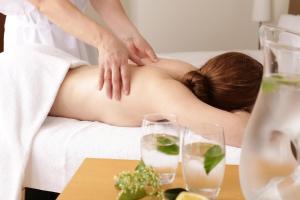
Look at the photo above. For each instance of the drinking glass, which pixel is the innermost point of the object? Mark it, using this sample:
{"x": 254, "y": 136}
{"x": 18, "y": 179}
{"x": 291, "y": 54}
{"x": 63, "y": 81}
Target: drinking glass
{"x": 203, "y": 159}
{"x": 160, "y": 145}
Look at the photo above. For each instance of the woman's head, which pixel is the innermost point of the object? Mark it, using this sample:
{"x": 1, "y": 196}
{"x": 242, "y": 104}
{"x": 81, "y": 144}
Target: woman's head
{"x": 229, "y": 81}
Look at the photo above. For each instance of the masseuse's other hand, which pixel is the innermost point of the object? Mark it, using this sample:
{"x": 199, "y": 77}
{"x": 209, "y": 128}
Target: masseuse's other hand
{"x": 139, "y": 49}
{"x": 113, "y": 68}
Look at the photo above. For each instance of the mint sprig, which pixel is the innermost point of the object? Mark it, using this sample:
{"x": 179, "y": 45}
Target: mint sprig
{"x": 271, "y": 84}
{"x": 212, "y": 157}
{"x": 167, "y": 144}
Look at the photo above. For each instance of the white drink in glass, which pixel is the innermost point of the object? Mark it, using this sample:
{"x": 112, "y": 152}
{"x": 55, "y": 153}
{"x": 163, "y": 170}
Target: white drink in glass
{"x": 162, "y": 156}
{"x": 195, "y": 176}
{"x": 203, "y": 159}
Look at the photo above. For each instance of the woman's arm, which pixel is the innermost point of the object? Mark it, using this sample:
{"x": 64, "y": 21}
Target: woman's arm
{"x": 175, "y": 98}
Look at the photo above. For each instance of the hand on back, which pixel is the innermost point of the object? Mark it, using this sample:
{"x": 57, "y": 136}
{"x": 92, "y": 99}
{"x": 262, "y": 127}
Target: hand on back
{"x": 114, "y": 53}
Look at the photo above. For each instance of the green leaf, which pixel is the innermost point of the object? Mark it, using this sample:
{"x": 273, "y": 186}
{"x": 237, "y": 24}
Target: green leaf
{"x": 293, "y": 81}
{"x": 269, "y": 85}
{"x": 166, "y": 140}
{"x": 170, "y": 150}
{"x": 171, "y": 194}
{"x": 212, "y": 157}
{"x": 167, "y": 145}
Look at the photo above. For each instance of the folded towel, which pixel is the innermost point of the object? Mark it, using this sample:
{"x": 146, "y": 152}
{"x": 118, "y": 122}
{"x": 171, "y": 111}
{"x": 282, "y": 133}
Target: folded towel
{"x": 30, "y": 77}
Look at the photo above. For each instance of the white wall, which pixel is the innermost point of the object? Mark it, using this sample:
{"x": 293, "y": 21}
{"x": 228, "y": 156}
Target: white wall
{"x": 279, "y": 7}
{"x": 193, "y": 25}
{"x": 189, "y": 25}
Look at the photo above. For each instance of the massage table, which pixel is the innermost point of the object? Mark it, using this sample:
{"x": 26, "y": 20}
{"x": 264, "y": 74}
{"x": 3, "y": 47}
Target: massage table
{"x": 62, "y": 144}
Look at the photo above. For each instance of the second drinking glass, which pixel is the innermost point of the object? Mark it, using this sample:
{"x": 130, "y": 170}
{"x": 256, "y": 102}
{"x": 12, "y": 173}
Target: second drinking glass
{"x": 203, "y": 159}
{"x": 160, "y": 145}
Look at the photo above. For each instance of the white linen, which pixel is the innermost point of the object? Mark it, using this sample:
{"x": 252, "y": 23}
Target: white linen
{"x": 30, "y": 79}
{"x": 290, "y": 22}
{"x": 26, "y": 25}
{"x": 62, "y": 144}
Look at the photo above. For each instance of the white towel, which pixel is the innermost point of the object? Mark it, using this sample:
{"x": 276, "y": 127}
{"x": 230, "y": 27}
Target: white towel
{"x": 30, "y": 77}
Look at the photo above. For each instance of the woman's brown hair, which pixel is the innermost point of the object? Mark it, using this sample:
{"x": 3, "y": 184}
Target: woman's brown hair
{"x": 229, "y": 81}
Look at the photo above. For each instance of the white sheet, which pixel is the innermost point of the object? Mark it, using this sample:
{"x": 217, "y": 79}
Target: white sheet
{"x": 62, "y": 144}
{"x": 29, "y": 91}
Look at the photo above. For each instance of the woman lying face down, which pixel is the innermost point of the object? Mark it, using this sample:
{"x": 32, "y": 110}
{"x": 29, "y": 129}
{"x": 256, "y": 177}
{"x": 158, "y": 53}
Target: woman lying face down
{"x": 222, "y": 91}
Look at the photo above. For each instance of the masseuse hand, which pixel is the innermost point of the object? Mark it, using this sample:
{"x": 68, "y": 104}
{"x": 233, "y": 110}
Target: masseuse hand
{"x": 114, "y": 72}
{"x": 113, "y": 59}
{"x": 139, "y": 49}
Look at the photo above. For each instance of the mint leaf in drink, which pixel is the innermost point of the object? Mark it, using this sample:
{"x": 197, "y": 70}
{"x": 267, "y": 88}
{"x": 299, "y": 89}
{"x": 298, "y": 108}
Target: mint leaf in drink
{"x": 167, "y": 144}
{"x": 292, "y": 81}
{"x": 212, "y": 157}
{"x": 166, "y": 139}
{"x": 269, "y": 84}
{"x": 170, "y": 150}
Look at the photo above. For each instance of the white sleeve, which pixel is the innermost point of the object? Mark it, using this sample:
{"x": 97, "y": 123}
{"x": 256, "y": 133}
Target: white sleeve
{"x": 15, "y": 7}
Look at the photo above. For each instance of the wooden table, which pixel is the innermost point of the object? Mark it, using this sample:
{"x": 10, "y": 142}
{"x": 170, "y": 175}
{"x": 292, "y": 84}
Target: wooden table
{"x": 94, "y": 181}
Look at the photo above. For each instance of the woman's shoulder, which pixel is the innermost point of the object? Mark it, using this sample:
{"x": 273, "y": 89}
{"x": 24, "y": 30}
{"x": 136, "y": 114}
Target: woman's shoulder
{"x": 150, "y": 72}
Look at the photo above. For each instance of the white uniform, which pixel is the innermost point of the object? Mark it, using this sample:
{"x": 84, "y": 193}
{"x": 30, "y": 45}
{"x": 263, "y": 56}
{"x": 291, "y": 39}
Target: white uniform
{"x": 25, "y": 25}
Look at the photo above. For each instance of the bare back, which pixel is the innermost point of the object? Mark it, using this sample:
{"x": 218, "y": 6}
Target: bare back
{"x": 80, "y": 98}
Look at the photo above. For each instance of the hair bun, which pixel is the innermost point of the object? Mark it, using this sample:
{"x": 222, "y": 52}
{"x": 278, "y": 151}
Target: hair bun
{"x": 199, "y": 84}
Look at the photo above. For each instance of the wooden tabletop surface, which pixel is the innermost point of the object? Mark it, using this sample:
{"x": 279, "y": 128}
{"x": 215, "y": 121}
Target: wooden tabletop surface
{"x": 94, "y": 181}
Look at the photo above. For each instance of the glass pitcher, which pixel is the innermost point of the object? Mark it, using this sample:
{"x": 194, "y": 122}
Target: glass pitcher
{"x": 270, "y": 160}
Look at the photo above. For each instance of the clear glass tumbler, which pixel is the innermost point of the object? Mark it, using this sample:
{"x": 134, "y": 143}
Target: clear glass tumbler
{"x": 203, "y": 160}
{"x": 160, "y": 145}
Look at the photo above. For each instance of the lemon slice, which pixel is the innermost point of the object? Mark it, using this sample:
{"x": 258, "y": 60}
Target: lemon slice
{"x": 190, "y": 196}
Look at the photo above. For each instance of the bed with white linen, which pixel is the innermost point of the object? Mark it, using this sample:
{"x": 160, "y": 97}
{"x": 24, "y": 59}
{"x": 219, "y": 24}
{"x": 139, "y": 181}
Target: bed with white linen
{"x": 62, "y": 144}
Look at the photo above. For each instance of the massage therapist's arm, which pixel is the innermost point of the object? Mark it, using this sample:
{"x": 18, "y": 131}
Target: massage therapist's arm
{"x": 64, "y": 14}
{"x": 113, "y": 54}
{"x": 114, "y": 15}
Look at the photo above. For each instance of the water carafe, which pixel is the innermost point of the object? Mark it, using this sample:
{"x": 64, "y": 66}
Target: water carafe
{"x": 270, "y": 160}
